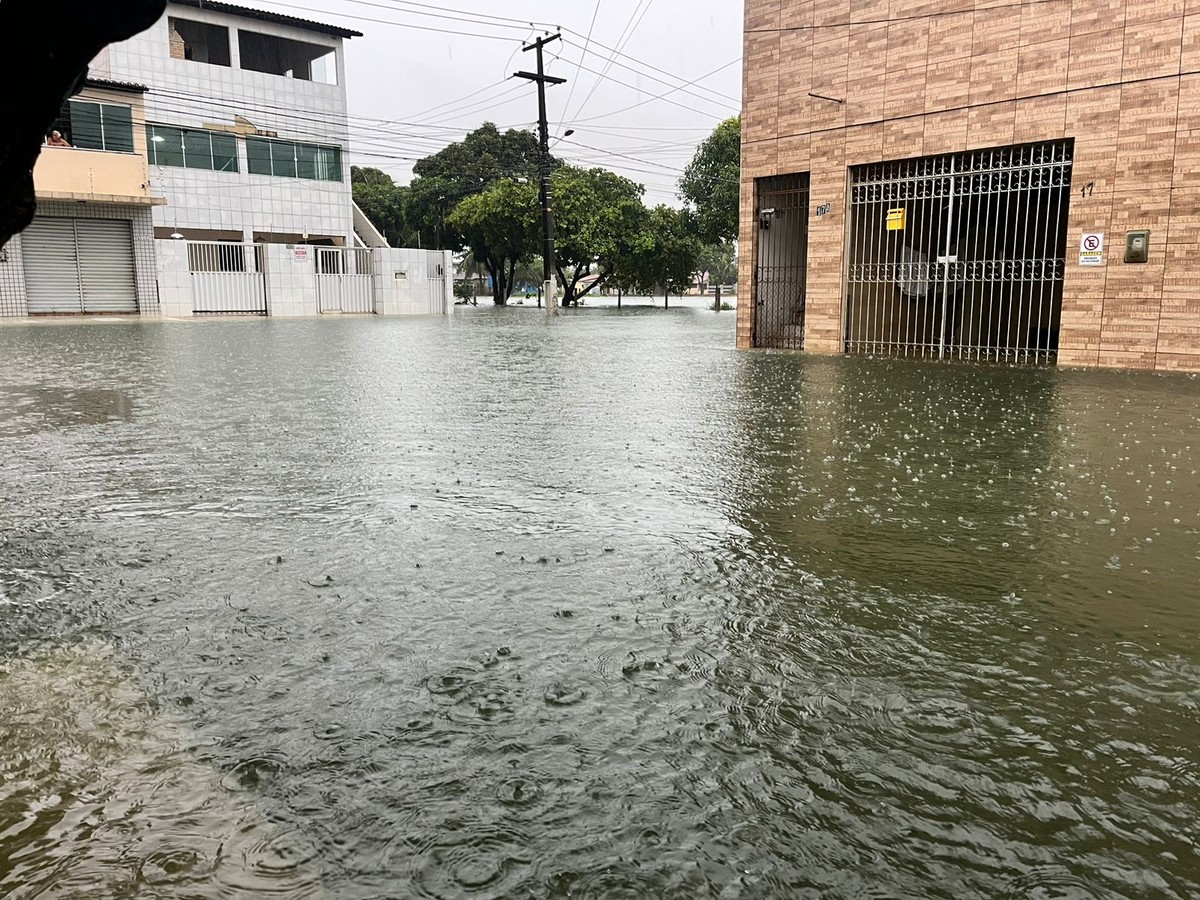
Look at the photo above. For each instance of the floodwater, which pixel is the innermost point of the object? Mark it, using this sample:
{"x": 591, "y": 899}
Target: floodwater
{"x": 597, "y": 608}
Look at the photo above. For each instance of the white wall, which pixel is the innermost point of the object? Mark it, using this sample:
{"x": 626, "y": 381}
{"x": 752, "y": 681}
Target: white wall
{"x": 407, "y": 282}
{"x": 191, "y": 94}
{"x": 174, "y": 279}
{"x": 292, "y": 282}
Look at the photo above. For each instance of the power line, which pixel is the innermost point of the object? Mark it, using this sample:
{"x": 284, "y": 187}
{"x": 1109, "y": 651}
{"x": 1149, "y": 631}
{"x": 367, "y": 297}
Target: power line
{"x": 646, "y": 65}
{"x": 574, "y": 84}
{"x": 608, "y": 66}
{"x": 626, "y": 109}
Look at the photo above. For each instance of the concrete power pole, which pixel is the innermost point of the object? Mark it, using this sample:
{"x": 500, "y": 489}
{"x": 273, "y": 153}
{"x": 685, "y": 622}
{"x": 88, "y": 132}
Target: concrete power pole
{"x": 547, "y": 191}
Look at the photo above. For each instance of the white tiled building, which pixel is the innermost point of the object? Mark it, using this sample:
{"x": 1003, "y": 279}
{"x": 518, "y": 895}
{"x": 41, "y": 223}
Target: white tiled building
{"x": 203, "y": 170}
{"x": 246, "y": 122}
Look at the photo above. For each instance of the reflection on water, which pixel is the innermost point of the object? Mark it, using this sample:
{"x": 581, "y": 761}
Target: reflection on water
{"x": 102, "y": 796}
{"x": 27, "y": 410}
{"x": 590, "y": 608}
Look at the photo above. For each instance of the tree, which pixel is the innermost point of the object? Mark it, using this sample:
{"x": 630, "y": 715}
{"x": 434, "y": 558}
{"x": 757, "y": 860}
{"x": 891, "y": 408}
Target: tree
{"x": 442, "y": 181}
{"x": 719, "y": 262}
{"x": 711, "y": 184}
{"x": 666, "y": 255}
{"x": 500, "y": 225}
{"x": 384, "y": 202}
{"x": 598, "y": 218}
{"x": 370, "y": 176}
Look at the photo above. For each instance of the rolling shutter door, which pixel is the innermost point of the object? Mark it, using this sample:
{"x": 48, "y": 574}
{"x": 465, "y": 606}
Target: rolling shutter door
{"x": 105, "y": 252}
{"x": 51, "y": 267}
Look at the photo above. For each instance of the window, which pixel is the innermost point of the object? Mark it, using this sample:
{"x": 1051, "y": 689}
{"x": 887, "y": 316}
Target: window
{"x": 283, "y": 56}
{"x": 285, "y": 159}
{"x": 97, "y": 126}
{"x": 199, "y": 41}
{"x": 192, "y": 148}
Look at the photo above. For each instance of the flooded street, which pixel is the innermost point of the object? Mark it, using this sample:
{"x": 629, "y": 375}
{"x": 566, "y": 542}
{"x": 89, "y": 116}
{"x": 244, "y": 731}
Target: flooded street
{"x": 594, "y": 608}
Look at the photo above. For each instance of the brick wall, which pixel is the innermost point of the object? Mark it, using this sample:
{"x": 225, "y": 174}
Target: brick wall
{"x": 924, "y": 77}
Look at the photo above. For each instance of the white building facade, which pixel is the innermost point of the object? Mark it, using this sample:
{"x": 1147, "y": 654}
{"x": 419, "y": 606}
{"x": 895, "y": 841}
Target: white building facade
{"x": 246, "y": 123}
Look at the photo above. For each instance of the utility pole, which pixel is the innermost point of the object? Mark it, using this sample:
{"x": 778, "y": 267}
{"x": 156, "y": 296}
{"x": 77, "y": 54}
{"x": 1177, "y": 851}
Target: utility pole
{"x": 547, "y": 191}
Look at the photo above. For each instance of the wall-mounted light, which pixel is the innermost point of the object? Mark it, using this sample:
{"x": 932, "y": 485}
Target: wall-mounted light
{"x": 764, "y": 218}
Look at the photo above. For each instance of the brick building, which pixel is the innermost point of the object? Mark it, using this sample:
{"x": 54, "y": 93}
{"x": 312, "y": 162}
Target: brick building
{"x": 979, "y": 180}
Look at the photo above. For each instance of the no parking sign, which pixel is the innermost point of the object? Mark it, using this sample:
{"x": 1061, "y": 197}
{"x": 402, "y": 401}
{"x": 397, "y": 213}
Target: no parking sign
{"x": 1091, "y": 250}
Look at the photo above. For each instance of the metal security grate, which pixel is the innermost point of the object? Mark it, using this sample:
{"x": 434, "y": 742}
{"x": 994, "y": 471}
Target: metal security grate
{"x": 228, "y": 279}
{"x": 781, "y": 271}
{"x": 960, "y": 256}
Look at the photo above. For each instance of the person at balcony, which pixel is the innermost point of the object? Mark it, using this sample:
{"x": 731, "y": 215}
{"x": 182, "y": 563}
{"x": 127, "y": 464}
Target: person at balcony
{"x": 57, "y": 140}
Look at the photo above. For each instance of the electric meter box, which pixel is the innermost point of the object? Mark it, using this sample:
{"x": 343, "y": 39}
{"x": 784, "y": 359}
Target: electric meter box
{"x": 1137, "y": 247}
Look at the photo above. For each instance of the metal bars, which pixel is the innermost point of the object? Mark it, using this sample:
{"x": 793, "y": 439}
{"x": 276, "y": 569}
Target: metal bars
{"x": 781, "y": 269}
{"x": 228, "y": 278}
{"x": 960, "y": 256}
{"x": 345, "y": 280}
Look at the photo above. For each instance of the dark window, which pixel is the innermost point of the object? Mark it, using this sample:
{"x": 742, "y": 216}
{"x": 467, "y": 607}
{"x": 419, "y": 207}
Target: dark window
{"x": 97, "y": 126}
{"x": 191, "y": 148}
{"x": 283, "y": 56}
{"x": 199, "y": 41}
{"x": 285, "y": 159}
{"x": 197, "y": 150}
{"x": 258, "y": 156}
{"x": 87, "y": 129}
{"x": 329, "y": 163}
{"x": 224, "y": 152}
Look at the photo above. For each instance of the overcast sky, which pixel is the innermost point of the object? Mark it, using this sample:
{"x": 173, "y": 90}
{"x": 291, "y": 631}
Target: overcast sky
{"x": 443, "y": 85}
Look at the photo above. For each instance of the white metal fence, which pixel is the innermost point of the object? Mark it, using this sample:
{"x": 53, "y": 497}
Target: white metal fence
{"x": 437, "y": 288}
{"x": 345, "y": 280}
{"x": 228, "y": 278}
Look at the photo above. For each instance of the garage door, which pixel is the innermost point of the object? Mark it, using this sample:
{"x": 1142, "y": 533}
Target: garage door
{"x": 79, "y": 266}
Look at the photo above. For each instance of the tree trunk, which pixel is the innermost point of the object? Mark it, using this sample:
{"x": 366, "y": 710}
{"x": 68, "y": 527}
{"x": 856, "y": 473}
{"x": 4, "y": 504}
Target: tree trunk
{"x": 496, "y": 270}
{"x": 667, "y": 299}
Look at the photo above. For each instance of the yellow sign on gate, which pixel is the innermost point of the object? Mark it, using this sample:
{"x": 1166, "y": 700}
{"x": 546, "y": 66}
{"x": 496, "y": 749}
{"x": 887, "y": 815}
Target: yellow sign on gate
{"x": 897, "y": 219}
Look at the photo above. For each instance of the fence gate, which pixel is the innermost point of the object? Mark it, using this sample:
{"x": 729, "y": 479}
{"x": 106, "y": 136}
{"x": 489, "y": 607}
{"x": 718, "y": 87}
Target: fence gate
{"x": 781, "y": 270}
{"x": 960, "y": 256}
{"x": 345, "y": 280}
{"x": 228, "y": 278}
{"x": 437, "y": 285}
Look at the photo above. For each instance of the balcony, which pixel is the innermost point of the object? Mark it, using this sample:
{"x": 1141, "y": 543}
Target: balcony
{"x": 99, "y": 176}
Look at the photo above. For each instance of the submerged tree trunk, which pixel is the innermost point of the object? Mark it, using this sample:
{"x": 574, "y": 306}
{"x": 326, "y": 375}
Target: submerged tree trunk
{"x": 496, "y": 271}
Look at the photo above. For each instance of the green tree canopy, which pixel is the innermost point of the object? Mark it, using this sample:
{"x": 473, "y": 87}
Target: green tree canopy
{"x": 370, "y": 175}
{"x": 666, "y": 256}
{"x": 500, "y": 226}
{"x": 719, "y": 262}
{"x": 461, "y": 170}
{"x": 711, "y": 184}
{"x": 385, "y": 203}
{"x": 599, "y": 219}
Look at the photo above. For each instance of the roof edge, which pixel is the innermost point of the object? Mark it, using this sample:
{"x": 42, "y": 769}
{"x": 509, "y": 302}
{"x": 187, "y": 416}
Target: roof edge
{"x": 263, "y": 15}
{"x": 109, "y": 84}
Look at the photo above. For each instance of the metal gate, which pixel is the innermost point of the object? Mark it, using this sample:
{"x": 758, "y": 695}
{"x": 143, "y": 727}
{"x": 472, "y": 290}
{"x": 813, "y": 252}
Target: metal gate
{"x": 228, "y": 278}
{"x": 75, "y": 266}
{"x": 345, "y": 280}
{"x": 437, "y": 285}
{"x": 960, "y": 256}
{"x": 781, "y": 270}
